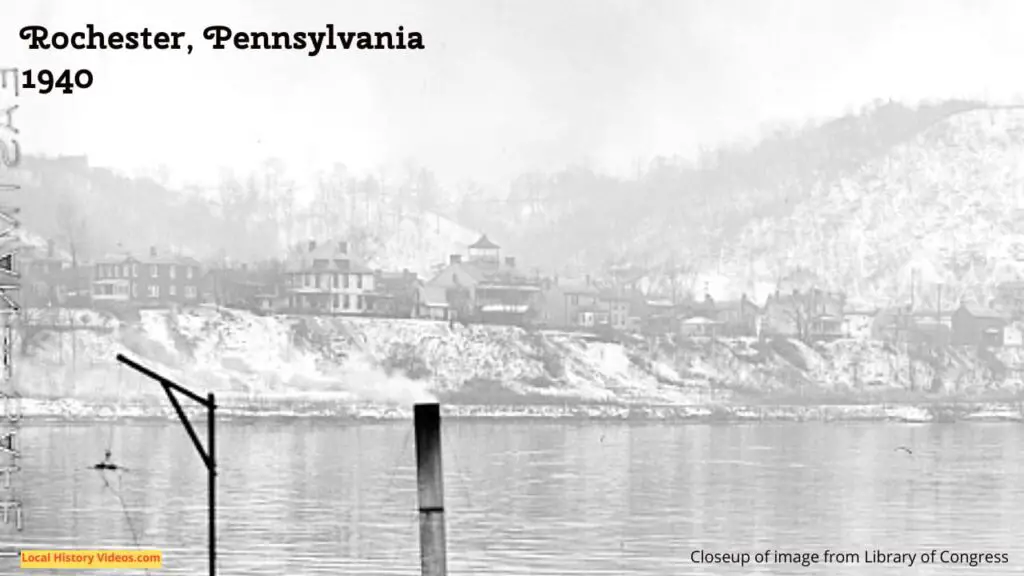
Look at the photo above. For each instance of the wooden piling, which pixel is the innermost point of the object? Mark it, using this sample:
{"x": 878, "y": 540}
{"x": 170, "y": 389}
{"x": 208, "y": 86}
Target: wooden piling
{"x": 430, "y": 485}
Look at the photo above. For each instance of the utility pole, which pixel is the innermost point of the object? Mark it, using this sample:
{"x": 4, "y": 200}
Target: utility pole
{"x": 207, "y": 454}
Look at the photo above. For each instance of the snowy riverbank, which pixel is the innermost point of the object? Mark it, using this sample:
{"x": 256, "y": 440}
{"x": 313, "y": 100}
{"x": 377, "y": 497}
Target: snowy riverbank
{"x": 341, "y": 365}
{"x": 64, "y": 410}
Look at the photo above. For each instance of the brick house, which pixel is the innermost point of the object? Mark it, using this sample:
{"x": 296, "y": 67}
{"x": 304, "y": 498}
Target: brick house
{"x": 151, "y": 281}
{"x": 326, "y": 279}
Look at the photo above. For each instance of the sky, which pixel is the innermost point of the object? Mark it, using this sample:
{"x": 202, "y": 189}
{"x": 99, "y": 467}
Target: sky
{"x": 503, "y": 86}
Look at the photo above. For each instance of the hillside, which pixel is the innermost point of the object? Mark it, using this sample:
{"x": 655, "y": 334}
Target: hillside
{"x": 250, "y": 218}
{"x": 857, "y": 202}
{"x": 267, "y": 361}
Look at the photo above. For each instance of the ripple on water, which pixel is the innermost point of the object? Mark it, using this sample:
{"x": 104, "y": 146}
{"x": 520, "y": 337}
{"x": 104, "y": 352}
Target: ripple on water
{"x": 534, "y": 498}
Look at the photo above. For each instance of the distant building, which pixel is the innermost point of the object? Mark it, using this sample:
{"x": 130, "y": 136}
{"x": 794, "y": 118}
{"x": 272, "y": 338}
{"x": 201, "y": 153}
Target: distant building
{"x": 47, "y": 277}
{"x": 487, "y": 288}
{"x": 814, "y": 315}
{"x": 858, "y": 321}
{"x": 150, "y": 281}
{"x": 974, "y": 325}
{"x": 256, "y": 288}
{"x": 326, "y": 279}
{"x": 737, "y": 317}
{"x": 431, "y": 303}
{"x": 394, "y": 294}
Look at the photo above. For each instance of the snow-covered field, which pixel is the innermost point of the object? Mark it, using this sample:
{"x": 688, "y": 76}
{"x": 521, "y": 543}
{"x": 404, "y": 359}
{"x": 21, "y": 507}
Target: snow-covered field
{"x": 350, "y": 366}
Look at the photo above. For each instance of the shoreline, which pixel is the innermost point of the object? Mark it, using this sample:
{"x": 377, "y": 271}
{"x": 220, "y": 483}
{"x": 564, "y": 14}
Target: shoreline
{"x": 932, "y": 412}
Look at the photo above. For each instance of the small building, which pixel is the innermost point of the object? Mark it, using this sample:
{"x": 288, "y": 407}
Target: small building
{"x": 699, "y": 327}
{"x": 812, "y": 315}
{"x": 858, "y": 321}
{"x": 432, "y": 303}
{"x": 243, "y": 286}
{"x": 394, "y": 294}
{"x": 975, "y": 325}
{"x": 737, "y": 317}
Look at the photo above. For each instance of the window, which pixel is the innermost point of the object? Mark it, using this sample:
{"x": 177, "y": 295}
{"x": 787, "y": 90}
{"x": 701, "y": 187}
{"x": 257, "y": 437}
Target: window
{"x": 359, "y": 281}
{"x": 190, "y": 292}
{"x": 360, "y": 303}
{"x": 347, "y": 302}
{"x": 574, "y": 300}
{"x": 344, "y": 282}
{"x": 188, "y": 272}
{"x": 337, "y": 301}
{"x": 135, "y": 290}
{"x": 135, "y": 270}
{"x": 154, "y": 291}
{"x": 172, "y": 290}
{"x": 125, "y": 270}
{"x": 174, "y": 270}
{"x": 335, "y": 281}
{"x": 154, "y": 270}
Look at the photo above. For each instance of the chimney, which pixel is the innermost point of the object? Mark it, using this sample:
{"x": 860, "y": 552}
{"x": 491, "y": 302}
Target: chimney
{"x": 312, "y": 245}
{"x": 510, "y": 261}
{"x": 152, "y": 251}
{"x": 455, "y": 259}
{"x": 49, "y": 248}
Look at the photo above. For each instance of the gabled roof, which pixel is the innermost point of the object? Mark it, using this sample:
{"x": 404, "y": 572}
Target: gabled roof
{"x": 484, "y": 243}
{"x": 982, "y": 312}
{"x": 434, "y": 296}
{"x": 302, "y": 259}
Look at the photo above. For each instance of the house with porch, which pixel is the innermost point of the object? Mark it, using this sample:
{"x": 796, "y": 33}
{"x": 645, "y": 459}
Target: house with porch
{"x": 325, "y": 278}
{"x": 152, "y": 281}
{"x": 486, "y": 288}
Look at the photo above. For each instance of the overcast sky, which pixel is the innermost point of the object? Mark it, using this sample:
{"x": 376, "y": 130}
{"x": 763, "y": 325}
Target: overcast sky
{"x": 504, "y": 85}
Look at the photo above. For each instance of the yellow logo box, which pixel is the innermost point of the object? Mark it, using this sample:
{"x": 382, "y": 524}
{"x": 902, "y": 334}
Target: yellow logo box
{"x": 92, "y": 559}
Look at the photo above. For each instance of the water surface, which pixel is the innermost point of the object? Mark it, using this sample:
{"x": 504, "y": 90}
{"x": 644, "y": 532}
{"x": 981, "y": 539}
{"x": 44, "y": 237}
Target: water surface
{"x": 555, "y": 498}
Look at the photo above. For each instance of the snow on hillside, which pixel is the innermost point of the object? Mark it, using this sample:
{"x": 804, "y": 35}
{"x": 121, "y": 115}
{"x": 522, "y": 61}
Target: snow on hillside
{"x": 250, "y": 358}
{"x": 417, "y": 242}
{"x": 944, "y": 207}
{"x": 947, "y": 207}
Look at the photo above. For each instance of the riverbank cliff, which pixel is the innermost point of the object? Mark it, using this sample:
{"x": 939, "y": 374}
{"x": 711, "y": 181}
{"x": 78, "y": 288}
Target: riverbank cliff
{"x": 65, "y": 364}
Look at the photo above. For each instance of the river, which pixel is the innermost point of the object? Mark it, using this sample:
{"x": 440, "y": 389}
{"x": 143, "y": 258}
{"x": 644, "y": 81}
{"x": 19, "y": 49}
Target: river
{"x": 529, "y": 497}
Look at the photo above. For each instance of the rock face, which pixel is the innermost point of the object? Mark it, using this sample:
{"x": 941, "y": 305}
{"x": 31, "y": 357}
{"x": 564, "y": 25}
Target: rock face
{"x": 268, "y": 360}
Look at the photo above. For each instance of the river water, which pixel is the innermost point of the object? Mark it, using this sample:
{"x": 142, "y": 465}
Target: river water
{"x": 528, "y": 497}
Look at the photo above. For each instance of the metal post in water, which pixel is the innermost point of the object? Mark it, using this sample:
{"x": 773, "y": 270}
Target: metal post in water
{"x": 211, "y": 472}
{"x": 430, "y": 486}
